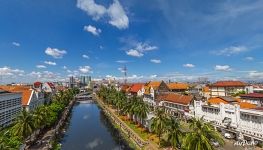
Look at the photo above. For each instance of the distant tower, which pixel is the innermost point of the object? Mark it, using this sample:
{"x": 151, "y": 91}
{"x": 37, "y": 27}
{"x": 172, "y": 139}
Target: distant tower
{"x": 125, "y": 74}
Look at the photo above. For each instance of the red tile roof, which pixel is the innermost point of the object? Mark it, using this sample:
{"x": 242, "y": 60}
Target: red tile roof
{"x": 178, "y": 86}
{"x": 51, "y": 84}
{"x": 175, "y": 98}
{"x": 246, "y": 105}
{"x": 229, "y": 84}
{"x": 37, "y": 84}
{"x": 136, "y": 87}
{"x": 253, "y": 95}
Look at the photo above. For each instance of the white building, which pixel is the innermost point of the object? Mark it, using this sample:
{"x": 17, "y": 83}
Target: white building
{"x": 10, "y": 107}
{"x": 239, "y": 118}
{"x": 32, "y": 99}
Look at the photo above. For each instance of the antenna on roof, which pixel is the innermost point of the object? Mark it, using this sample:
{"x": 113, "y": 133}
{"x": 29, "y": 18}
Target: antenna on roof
{"x": 125, "y": 74}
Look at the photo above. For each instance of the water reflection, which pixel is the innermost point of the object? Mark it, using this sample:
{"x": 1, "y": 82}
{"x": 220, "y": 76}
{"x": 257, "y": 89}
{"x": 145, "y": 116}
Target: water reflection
{"x": 89, "y": 128}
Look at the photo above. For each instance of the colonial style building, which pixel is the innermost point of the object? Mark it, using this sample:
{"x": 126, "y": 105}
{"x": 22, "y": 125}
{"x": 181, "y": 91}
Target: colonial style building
{"x": 177, "y": 104}
{"x": 136, "y": 89}
{"x": 152, "y": 89}
{"x": 178, "y": 87}
{"x": 254, "y": 98}
{"x": 226, "y": 88}
{"x": 240, "y": 118}
{"x": 10, "y": 107}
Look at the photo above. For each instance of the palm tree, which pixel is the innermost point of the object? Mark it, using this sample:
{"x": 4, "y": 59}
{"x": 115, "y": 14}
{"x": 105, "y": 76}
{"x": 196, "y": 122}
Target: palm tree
{"x": 174, "y": 133}
{"x": 120, "y": 101}
{"x": 3, "y": 144}
{"x": 40, "y": 116}
{"x": 142, "y": 110}
{"x": 201, "y": 136}
{"x": 159, "y": 123}
{"x": 24, "y": 125}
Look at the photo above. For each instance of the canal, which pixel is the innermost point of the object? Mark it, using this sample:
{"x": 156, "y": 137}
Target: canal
{"x": 89, "y": 128}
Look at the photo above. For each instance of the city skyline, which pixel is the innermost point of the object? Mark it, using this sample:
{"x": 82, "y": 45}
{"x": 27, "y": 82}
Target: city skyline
{"x": 156, "y": 40}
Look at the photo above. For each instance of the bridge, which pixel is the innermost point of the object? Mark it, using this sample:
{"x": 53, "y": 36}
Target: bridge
{"x": 83, "y": 96}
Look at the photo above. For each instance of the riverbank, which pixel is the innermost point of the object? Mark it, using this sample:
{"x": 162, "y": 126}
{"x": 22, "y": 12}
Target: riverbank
{"x": 125, "y": 129}
{"x": 46, "y": 141}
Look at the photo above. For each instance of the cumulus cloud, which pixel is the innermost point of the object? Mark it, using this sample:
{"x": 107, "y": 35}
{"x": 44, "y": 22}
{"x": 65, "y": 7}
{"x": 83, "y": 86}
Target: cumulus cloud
{"x": 41, "y": 66}
{"x": 189, "y": 65}
{"x": 115, "y": 14}
{"x": 118, "y": 17}
{"x": 55, "y": 53}
{"x": 135, "y": 53}
{"x": 16, "y": 44}
{"x": 93, "y": 30}
{"x": 140, "y": 48}
{"x": 222, "y": 68}
{"x": 157, "y": 61}
{"x": 7, "y": 71}
{"x": 65, "y": 67}
{"x": 85, "y": 69}
{"x": 85, "y": 56}
{"x": 232, "y": 50}
{"x": 50, "y": 63}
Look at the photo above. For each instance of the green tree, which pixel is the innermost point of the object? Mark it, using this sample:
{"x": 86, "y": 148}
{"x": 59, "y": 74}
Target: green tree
{"x": 159, "y": 123}
{"x": 142, "y": 110}
{"x": 174, "y": 133}
{"x": 24, "y": 125}
{"x": 201, "y": 136}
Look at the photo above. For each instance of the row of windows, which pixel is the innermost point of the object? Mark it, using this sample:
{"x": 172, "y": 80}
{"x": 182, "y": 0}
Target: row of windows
{"x": 10, "y": 114}
{"x": 175, "y": 106}
{"x": 210, "y": 110}
{"x": 10, "y": 103}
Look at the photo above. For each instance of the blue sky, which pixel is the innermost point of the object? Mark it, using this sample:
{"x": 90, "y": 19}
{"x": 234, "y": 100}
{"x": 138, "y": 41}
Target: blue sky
{"x": 155, "y": 39}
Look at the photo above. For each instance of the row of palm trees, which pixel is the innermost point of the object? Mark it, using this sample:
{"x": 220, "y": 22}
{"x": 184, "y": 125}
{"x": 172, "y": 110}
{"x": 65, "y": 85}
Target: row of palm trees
{"x": 133, "y": 107}
{"x": 168, "y": 128}
{"x": 29, "y": 123}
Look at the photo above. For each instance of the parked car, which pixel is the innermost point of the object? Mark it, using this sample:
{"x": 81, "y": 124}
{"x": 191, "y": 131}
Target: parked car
{"x": 228, "y": 136}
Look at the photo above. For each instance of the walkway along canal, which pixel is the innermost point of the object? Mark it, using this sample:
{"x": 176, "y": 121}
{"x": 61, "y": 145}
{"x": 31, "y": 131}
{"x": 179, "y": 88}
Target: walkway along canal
{"x": 90, "y": 128}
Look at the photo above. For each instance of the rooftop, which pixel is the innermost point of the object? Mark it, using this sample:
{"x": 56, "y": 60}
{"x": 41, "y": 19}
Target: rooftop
{"x": 178, "y": 86}
{"x": 175, "y": 98}
{"x": 228, "y": 84}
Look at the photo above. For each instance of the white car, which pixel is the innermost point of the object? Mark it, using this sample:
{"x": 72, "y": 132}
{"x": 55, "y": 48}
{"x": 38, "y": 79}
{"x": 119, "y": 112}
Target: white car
{"x": 228, "y": 136}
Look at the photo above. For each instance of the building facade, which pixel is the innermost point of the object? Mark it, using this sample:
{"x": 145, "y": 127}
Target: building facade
{"x": 226, "y": 88}
{"x": 10, "y": 107}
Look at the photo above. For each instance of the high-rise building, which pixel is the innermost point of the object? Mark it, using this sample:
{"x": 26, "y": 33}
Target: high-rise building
{"x": 10, "y": 107}
{"x": 71, "y": 82}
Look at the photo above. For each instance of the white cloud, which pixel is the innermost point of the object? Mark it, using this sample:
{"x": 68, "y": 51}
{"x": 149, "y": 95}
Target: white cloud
{"x": 85, "y": 56}
{"x": 189, "y": 65}
{"x": 16, "y": 44}
{"x": 255, "y": 75}
{"x": 153, "y": 76}
{"x": 157, "y": 61}
{"x": 115, "y": 14}
{"x": 50, "y": 63}
{"x": 41, "y": 66}
{"x": 94, "y": 10}
{"x": 121, "y": 70}
{"x": 95, "y": 31}
{"x": 222, "y": 68}
{"x": 55, "y": 53}
{"x": 232, "y": 50}
{"x": 85, "y": 69}
{"x": 101, "y": 47}
{"x": 140, "y": 48}
{"x": 122, "y": 61}
{"x": 118, "y": 17}
{"x": 65, "y": 67}
{"x": 135, "y": 53}
{"x": 7, "y": 71}
{"x": 249, "y": 58}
